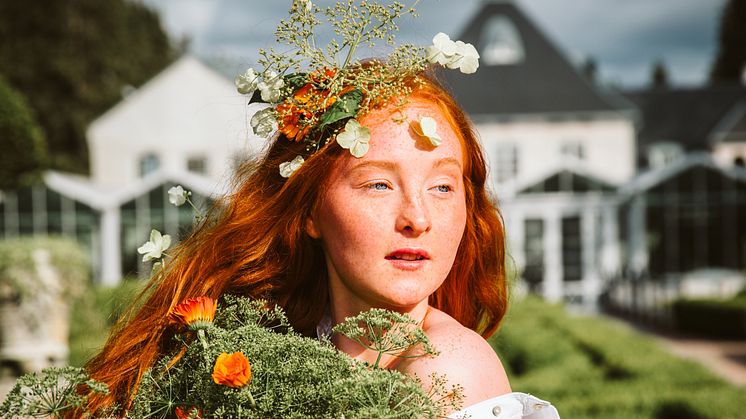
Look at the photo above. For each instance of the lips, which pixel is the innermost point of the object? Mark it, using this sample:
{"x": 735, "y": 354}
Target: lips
{"x": 408, "y": 255}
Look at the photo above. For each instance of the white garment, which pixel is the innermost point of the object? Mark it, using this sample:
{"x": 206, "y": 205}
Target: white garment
{"x": 509, "y": 406}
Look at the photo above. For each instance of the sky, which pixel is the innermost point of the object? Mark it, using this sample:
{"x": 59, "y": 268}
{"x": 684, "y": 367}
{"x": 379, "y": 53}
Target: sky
{"x": 625, "y": 37}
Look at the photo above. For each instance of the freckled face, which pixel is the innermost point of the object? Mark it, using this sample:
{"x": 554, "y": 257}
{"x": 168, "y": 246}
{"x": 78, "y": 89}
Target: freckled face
{"x": 391, "y": 222}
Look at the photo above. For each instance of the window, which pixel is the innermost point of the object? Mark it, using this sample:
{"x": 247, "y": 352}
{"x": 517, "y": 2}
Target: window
{"x": 533, "y": 272}
{"x": 572, "y": 149}
{"x": 502, "y": 42}
{"x": 663, "y": 153}
{"x": 197, "y": 165}
{"x": 149, "y": 163}
{"x": 572, "y": 249}
{"x": 507, "y": 162}
{"x": 739, "y": 161}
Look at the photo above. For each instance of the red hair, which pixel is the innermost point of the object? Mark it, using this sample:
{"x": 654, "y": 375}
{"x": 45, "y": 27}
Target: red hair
{"x": 256, "y": 245}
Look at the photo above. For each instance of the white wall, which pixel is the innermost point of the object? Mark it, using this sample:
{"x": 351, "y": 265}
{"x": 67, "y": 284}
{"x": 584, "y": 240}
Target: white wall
{"x": 186, "y": 111}
{"x": 608, "y": 147}
{"x": 725, "y": 154}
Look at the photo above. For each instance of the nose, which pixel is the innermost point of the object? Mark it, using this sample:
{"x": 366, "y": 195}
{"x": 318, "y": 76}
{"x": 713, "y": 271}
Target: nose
{"x": 414, "y": 217}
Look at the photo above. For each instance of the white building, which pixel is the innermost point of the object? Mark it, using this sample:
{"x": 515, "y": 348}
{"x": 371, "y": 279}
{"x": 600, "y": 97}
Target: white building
{"x": 558, "y": 148}
{"x": 187, "y": 126}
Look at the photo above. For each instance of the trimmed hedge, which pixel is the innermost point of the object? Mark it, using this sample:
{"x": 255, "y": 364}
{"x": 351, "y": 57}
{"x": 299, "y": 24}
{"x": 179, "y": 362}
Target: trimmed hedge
{"x": 591, "y": 367}
{"x": 714, "y": 318}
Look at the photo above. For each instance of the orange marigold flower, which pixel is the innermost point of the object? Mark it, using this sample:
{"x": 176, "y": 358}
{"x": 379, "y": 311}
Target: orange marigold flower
{"x": 232, "y": 370}
{"x": 183, "y": 412}
{"x": 196, "y": 313}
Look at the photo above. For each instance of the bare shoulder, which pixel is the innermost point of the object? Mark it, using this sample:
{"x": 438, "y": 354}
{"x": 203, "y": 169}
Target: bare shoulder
{"x": 465, "y": 359}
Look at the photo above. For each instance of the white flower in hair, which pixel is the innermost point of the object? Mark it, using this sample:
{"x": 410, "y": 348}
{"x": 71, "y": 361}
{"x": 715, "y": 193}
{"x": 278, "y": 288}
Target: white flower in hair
{"x": 271, "y": 87}
{"x": 429, "y": 128}
{"x": 263, "y": 122}
{"x": 177, "y": 195}
{"x": 247, "y": 83}
{"x": 466, "y": 58}
{"x": 154, "y": 248}
{"x": 289, "y": 167}
{"x": 442, "y": 50}
{"x": 355, "y": 138}
{"x": 453, "y": 54}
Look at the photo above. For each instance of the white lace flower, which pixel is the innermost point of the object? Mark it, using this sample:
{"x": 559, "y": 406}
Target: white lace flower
{"x": 429, "y": 128}
{"x": 177, "y": 195}
{"x": 248, "y": 82}
{"x": 154, "y": 248}
{"x": 264, "y": 123}
{"x": 466, "y": 58}
{"x": 442, "y": 50}
{"x": 270, "y": 87}
{"x": 355, "y": 138}
{"x": 289, "y": 167}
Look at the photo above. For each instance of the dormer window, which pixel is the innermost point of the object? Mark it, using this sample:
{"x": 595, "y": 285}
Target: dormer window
{"x": 664, "y": 153}
{"x": 149, "y": 163}
{"x": 501, "y": 42}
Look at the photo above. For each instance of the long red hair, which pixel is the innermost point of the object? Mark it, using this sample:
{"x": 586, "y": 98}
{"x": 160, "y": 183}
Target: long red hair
{"x": 254, "y": 243}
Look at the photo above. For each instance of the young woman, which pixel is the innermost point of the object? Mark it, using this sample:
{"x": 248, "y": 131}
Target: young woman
{"x": 408, "y": 227}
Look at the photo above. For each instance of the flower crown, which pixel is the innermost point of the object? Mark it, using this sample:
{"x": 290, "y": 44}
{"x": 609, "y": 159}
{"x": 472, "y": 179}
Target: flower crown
{"x": 323, "y": 104}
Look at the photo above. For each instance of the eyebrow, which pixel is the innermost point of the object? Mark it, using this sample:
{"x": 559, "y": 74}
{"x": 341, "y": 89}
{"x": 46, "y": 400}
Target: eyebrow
{"x": 389, "y": 165}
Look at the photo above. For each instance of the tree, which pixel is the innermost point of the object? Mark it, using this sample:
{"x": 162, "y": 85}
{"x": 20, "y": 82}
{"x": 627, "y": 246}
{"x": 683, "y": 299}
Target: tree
{"x": 731, "y": 58}
{"x": 24, "y": 151}
{"x": 71, "y": 58}
{"x": 659, "y": 75}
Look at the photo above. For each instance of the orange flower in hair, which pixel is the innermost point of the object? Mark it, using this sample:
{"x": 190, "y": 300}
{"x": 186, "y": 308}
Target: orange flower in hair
{"x": 196, "y": 313}
{"x": 183, "y": 412}
{"x": 232, "y": 370}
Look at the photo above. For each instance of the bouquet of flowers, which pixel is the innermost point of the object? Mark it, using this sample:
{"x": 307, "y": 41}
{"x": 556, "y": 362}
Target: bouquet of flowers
{"x": 244, "y": 360}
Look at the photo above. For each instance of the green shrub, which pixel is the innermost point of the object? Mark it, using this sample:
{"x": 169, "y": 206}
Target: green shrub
{"x": 94, "y": 315}
{"x": 715, "y": 318}
{"x": 592, "y": 367}
{"x": 19, "y": 280}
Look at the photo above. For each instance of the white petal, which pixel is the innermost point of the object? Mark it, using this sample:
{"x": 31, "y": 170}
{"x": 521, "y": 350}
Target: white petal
{"x": 359, "y": 149}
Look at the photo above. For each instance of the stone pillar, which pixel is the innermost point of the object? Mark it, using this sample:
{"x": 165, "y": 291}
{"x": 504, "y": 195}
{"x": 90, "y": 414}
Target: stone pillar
{"x": 610, "y": 252}
{"x": 591, "y": 282}
{"x": 638, "y": 243}
{"x": 111, "y": 252}
{"x": 552, "y": 286}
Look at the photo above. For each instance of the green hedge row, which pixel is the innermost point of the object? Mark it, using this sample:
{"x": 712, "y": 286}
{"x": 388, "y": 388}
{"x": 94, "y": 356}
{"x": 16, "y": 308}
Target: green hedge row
{"x": 592, "y": 367}
{"x": 715, "y": 318}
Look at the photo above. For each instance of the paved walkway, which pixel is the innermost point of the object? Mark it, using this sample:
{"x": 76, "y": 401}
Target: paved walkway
{"x": 726, "y": 358}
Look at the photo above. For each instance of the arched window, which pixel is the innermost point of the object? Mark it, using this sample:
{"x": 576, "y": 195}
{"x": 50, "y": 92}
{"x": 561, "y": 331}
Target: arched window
{"x": 502, "y": 43}
{"x": 149, "y": 163}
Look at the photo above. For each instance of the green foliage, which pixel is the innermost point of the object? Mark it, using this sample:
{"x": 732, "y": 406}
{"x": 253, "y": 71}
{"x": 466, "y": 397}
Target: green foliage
{"x": 19, "y": 279}
{"x": 93, "y": 315}
{"x": 71, "y": 59}
{"x": 24, "y": 150}
{"x": 592, "y": 368}
{"x": 731, "y": 58}
{"x": 710, "y": 317}
{"x": 49, "y": 394}
{"x": 387, "y": 332}
{"x": 292, "y": 376}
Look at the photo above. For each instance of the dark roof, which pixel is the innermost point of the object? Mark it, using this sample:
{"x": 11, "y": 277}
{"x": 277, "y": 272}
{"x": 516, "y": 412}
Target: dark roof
{"x": 733, "y": 128}
{"x": 544, "y": 82}
{"x": 685, "y": 116}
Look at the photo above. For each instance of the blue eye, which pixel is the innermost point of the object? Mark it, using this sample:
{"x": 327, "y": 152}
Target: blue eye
{"x": 444, "y": 188}
{"x": 379, "y": 186}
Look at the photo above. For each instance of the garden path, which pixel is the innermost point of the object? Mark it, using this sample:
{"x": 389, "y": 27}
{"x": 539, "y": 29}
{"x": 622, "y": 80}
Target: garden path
{"x": 726, "y": 358}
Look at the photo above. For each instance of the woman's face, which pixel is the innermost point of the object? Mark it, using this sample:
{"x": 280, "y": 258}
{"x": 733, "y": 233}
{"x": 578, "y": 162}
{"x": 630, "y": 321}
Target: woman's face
{"x": 391, "y": 222}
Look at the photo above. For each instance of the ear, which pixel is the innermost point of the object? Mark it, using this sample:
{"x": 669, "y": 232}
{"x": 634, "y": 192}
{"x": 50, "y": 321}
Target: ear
{"x": 311, "y": 228}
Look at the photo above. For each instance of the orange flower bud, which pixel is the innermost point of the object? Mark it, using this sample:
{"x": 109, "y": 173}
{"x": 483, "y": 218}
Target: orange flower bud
{"x": 232, "y": 370}
{"x": 183, "y": 412}
{"x": 197, "y": 313}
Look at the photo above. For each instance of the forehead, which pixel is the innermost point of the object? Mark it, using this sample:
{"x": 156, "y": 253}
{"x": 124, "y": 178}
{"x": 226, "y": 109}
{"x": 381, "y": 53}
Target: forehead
{"x": 394, "y": 134}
